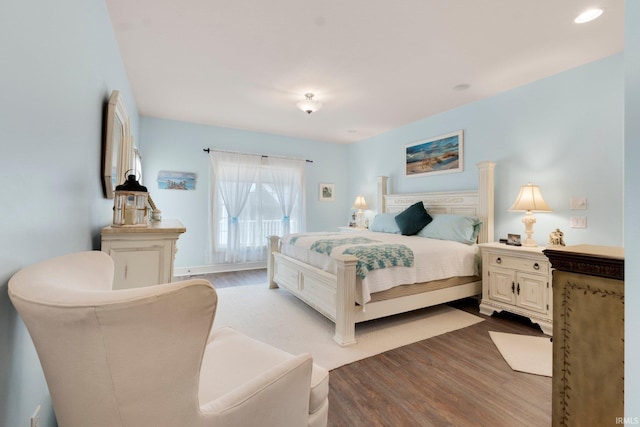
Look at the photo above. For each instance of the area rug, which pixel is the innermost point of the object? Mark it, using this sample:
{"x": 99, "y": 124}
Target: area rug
{"x": 276, "y": 317}
{"x": 524, "y": 353}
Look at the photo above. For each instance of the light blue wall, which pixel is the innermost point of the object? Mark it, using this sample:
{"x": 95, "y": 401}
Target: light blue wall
{"x": 59, "y": 61}
{"x": 177, "y": 146}
{"x": 563, "y": 133}
{"x": 632, "y": 208}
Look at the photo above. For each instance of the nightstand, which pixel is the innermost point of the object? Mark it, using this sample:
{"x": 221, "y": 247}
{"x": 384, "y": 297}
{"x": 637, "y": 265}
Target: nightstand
{"x": 517, "y": 279}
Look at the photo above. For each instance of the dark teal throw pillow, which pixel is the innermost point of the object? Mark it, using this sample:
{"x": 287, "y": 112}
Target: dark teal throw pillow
{"x": 413, "y": 219}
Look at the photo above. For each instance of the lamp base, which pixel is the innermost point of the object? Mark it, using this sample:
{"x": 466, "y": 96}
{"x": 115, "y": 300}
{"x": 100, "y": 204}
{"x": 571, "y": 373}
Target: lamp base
{"x": 528, "y": 222}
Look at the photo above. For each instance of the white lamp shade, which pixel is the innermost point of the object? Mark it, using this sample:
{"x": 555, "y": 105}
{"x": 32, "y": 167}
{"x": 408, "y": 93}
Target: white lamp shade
{"x": 359, "y": 203}
{"x": 530, "y": 200}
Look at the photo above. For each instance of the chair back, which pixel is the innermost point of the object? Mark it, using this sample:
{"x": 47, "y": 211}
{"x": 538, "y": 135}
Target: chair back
{"x": 115, "y": 357}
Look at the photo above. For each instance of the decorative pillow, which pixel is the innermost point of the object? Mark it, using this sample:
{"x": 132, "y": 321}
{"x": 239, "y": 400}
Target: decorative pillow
{"x": 458, "y": 228}
{"x": 385, "y": 223}
{"x": 413, "y": 219}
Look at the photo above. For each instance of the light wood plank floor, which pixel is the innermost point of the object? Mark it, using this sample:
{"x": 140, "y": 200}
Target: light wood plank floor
{"x": 456, "y": 379}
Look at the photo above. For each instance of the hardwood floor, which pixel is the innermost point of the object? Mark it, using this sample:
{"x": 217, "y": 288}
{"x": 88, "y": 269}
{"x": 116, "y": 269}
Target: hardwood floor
{"x": 456, "y": 379}
{"x": 235, "y": 278}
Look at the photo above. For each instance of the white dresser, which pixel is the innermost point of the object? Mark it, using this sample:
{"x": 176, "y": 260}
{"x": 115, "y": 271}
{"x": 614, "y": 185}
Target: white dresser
{"x": 517, "y": 279}
{"x": 143, "y": 256}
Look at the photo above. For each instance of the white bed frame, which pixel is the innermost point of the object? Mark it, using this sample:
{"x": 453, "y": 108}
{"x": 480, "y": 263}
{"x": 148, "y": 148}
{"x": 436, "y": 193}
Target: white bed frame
{"x": 334, "y": 295}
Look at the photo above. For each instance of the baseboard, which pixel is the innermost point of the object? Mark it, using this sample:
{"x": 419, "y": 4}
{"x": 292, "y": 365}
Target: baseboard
{"x": 217, "y": 268}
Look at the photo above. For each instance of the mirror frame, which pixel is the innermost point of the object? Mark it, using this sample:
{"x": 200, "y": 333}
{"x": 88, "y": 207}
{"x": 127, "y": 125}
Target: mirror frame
{"x": 116, "y": 144}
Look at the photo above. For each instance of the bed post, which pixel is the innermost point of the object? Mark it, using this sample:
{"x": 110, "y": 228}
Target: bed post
{"x": 345, "y": 300}
{"x": 382, "y": 191}
{"x": 273, "y": 245}
{"x": 485, "y": 200}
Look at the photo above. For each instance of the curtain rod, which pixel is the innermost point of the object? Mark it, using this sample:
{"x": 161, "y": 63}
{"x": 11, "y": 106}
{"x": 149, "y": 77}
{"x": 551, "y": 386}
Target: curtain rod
{"x": 208, "y": 150}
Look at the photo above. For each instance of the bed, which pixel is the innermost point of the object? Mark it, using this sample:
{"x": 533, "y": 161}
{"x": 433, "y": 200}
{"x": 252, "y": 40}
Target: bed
{"x": 333, "y": 286}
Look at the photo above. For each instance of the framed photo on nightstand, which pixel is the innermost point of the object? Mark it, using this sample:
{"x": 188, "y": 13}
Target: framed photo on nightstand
{"x": 513, "y": 240}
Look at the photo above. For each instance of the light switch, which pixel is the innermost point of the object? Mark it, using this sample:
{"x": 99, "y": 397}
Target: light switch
{"x": 578, "y": 222}
{"x": 578, "y": 203}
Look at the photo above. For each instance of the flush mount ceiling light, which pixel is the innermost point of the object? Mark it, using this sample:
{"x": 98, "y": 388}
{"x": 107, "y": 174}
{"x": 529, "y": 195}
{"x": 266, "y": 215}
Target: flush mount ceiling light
{"x": 308, "y": 105}
{"x": 588, "y": 15}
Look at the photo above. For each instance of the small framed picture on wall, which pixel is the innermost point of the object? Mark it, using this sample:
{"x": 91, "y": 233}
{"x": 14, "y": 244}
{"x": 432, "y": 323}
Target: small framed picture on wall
{"x": 327, "y": 192}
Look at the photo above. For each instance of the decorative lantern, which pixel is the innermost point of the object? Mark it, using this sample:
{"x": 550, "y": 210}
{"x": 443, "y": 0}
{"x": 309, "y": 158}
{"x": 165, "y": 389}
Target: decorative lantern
{"x": 131, "y": 204}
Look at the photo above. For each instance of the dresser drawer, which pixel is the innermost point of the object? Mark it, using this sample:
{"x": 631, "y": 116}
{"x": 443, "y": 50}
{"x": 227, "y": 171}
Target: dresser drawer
{"x": 520, "y": 264}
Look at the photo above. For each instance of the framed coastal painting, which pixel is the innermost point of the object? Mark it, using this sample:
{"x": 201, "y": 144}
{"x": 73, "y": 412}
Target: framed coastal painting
{"x": 441, "y": 154}
{"x": 172, "y": 180}
{"x": 327, "y": 192}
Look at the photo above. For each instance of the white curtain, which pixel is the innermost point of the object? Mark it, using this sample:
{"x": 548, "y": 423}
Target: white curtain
{"x": 234, "y": 176}
{"x": 288, "y": 182}
{"x": 252, "y": 197}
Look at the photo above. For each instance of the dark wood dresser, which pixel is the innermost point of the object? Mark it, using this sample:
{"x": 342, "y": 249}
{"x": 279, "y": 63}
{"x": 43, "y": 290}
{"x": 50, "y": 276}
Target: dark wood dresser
{"x": 588, "y": 335}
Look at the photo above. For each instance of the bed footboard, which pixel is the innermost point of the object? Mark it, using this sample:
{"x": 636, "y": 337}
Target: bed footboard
{"x": 331, "y": 295}
{"x": 273, "y": 246}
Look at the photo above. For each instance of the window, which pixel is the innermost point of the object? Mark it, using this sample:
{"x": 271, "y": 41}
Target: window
{"x": 253, "y": 197}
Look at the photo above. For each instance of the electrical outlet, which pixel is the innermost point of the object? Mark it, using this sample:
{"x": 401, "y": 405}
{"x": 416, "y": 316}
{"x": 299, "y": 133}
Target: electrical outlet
{"x": 35, "y": 418}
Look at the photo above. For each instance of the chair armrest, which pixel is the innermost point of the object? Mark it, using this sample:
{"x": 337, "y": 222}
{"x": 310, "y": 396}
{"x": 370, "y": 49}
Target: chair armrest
{"x": 278, "y": 397}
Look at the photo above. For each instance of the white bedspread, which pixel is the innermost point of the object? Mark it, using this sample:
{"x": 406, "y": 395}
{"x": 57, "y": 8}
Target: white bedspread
{"x": 433, "y": 260}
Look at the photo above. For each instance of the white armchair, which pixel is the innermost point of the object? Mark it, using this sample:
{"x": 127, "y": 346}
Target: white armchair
{"x": 145, "y": 357}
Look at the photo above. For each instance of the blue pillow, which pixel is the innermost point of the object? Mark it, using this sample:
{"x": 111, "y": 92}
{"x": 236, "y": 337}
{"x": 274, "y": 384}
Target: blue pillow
{"x": 459, "y": 228}
{"x": 413, "y": 219}
{"x": 385, "y": 223}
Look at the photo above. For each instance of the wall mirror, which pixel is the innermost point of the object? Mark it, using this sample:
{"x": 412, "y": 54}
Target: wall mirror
{"x": 116, "y": 145}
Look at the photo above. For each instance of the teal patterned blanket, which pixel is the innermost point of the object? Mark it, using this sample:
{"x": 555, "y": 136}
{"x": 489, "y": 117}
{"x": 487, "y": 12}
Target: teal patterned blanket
{"x": 371, "y": 254}
{"x": 380, "y": 256}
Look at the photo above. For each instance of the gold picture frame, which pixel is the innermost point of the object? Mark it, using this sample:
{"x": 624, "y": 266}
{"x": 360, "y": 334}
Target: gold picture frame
{"x": 116, "y": 145}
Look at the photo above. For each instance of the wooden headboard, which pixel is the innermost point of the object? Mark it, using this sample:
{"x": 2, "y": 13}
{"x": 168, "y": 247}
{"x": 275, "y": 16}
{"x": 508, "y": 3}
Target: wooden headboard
{"x": 470, "y": 203}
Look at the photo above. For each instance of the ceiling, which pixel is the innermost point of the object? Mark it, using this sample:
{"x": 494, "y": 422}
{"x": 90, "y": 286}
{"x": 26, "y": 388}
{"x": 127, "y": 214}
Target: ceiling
{"x": 374, "y": 64}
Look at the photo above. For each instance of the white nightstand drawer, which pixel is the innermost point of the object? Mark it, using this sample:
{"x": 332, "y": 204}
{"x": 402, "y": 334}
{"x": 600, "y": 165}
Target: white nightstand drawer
{"x": 520, "y": 264}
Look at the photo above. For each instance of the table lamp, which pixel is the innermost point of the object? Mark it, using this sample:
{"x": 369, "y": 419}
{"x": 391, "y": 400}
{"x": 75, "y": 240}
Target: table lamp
{"x": 529, "y": 200}
{"x": 359, "y": 204}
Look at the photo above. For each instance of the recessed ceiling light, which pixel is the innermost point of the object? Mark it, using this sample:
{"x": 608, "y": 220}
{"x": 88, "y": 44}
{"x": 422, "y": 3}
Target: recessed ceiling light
{"x": 462, "y": 86}
{"x": 588, "y": 15}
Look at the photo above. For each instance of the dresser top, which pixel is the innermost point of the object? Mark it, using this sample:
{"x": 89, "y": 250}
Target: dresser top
{"x": 614, "y": 252}
{"x": 603, "y": 261}
{"x": 164, "y": 226}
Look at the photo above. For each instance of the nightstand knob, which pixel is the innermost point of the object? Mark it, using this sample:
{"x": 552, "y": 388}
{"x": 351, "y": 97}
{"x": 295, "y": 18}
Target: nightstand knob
{"x": 536, "y": 266}
{"x": 498, "y": 260}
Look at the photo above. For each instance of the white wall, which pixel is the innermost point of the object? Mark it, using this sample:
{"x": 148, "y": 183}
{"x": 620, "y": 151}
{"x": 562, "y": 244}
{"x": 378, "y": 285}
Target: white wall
{"x": 59, "y": 62}
{"x": 563, "y": 133}
{"x": 177, "y": 146}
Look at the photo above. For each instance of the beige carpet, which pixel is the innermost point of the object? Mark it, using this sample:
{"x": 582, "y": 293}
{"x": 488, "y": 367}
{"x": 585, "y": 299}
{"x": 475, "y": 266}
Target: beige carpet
{"x": 524, "y": 353}
{"x": 278, "y": 318}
